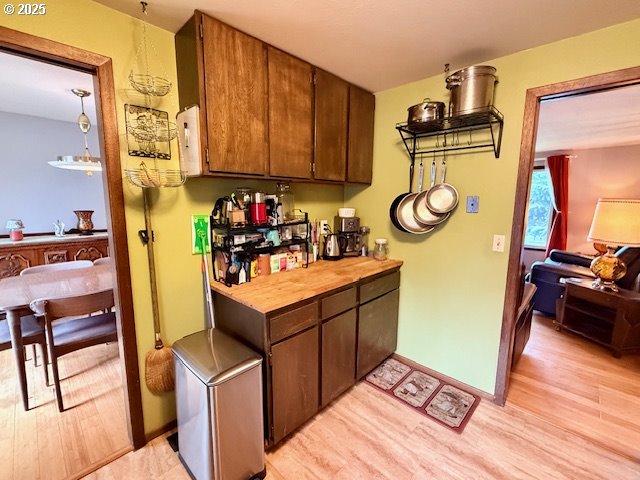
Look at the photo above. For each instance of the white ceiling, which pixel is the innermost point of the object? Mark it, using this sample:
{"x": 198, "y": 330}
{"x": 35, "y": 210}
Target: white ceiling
{"x": 39, "y": 89}
{"x": 382, "y": 44}
{"x": 596, "y": 120}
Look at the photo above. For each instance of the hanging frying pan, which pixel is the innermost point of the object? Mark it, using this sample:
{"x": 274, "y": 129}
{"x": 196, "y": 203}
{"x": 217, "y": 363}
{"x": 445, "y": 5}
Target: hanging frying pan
{"x": 394, "y": 205}
{"x": 420, "y": 210}
{"x": 404, "y": 210}
{"x": 442, "y": 197}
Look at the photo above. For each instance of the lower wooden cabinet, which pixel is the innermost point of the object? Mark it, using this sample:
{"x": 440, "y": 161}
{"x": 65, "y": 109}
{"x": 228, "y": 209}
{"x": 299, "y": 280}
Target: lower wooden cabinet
{"x": 294, "y": 382}
{"x": 316, "y": 349}
{"x": 338, "y": 355}
{"x": 377, "y": 331}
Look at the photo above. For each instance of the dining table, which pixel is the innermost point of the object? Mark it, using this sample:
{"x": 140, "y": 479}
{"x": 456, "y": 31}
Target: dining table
{"x": 16, "y": 293}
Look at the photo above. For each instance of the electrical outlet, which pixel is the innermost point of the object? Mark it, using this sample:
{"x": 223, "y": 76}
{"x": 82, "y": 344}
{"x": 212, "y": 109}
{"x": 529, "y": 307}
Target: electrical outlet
{"x": 498, "y": 243}
{"x": 324, "y": 227}
{"x": 473, "y": 203}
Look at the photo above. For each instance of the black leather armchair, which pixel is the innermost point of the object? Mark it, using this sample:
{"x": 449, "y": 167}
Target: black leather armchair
{"x": 562, "y": 264}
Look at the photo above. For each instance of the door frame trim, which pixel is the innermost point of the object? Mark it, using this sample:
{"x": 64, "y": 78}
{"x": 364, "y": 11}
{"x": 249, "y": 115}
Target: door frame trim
{"x": 100, "y": 66}
{"x": 527, "y": 153}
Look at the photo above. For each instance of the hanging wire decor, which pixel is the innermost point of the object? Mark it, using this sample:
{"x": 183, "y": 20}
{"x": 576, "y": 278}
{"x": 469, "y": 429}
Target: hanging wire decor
{"x": 145, "y": 83}
{"x": 148, "y": 126}
{"x": 149, "y": 84}
{"x": 146, "y": 177}
{"x": 151, "y": 128}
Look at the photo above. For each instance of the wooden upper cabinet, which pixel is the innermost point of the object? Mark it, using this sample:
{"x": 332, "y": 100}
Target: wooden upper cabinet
{"x": 360, "y": 144}
{"x": 290, "y": 116}
{"x": 235, "y": 84}
{"x": 332, "y": 103}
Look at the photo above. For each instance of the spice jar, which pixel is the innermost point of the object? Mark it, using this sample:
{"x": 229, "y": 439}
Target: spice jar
{"x": 381, "y": 251}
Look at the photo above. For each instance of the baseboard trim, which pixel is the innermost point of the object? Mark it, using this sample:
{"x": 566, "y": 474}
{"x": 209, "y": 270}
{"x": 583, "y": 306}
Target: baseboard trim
{"x": 446, "y": 378}
{"x": 161, "y": 431}
{"x": 98, "y": 465}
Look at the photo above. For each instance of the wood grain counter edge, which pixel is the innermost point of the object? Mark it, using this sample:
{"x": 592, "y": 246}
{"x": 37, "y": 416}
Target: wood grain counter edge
{"x": 269, "y": 293}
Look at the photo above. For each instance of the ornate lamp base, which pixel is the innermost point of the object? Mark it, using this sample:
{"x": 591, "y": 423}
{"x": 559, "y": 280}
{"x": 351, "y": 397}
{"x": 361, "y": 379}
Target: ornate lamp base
{"x": 608, "y": 268}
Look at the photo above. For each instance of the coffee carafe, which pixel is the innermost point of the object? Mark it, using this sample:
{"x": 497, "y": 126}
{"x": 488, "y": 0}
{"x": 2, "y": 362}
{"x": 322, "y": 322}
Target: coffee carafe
{"x": 334, "y": 246}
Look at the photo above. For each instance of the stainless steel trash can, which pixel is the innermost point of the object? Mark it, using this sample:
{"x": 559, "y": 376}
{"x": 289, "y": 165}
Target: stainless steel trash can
{"x": 219, "y": 404}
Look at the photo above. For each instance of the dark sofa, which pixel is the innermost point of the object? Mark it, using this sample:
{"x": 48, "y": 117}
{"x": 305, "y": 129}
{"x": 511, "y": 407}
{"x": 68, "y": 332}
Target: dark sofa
{"x": 562, "y": 264}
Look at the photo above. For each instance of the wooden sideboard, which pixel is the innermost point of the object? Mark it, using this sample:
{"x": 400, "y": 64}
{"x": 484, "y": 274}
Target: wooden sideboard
{"x": 47, "y": 249}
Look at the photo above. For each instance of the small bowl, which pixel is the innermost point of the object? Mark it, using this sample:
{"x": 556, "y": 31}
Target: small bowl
{"x": 347, "y": 212}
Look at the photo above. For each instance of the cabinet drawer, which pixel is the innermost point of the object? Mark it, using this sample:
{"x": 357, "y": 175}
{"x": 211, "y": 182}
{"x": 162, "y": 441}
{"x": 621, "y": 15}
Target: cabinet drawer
{"x": 338, "y": 303}
{"x": 379, "y": 287}
{"x": 292, "y": 322}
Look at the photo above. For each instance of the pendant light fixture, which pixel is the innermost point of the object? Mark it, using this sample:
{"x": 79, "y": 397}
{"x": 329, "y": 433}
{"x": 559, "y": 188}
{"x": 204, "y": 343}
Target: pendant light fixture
{"x": 83, "y": 162}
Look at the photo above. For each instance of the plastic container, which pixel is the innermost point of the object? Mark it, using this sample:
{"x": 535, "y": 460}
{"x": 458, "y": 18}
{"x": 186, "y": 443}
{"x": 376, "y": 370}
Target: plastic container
{"x": 381, "y": 250}
{"x": 346, "y": 212}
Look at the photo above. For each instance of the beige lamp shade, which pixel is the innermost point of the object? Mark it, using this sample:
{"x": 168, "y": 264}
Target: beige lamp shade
{"x": 616, "y": 222}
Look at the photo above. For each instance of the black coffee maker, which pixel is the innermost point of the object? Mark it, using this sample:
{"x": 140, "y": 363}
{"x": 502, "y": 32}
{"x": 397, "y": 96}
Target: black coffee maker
{"x": 348, "y": 228}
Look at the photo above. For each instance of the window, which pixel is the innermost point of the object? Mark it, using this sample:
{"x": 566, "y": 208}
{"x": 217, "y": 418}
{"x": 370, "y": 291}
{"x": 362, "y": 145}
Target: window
{"x": 540, "y": 206}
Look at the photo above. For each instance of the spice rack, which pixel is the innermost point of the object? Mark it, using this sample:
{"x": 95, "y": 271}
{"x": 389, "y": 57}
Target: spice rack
{"x": 454, "y": 133}
{"x": 250, "y": 240}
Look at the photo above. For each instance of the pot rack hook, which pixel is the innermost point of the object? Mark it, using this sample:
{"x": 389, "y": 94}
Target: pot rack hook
{"x": 469, "y": 141}
{"x": 446, "y": 68}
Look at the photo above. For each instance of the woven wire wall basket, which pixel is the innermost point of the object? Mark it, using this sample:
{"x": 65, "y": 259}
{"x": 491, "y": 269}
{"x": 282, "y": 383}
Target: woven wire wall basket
{"x": 146, "y": 177}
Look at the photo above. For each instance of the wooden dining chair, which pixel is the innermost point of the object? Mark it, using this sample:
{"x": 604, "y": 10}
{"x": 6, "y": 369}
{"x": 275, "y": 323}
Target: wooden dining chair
{"x": 102, "y": 261}
{"x": 32, "y": 334}
{"x": 64, "y": 337}
{"x": 57, "y": 266}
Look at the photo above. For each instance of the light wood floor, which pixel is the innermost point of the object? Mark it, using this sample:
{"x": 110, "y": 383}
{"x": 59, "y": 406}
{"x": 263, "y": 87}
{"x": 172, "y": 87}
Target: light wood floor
{"x": 366, "y": 434}
{"x": 580, "y": 386}
{"x": 43, "y": 443}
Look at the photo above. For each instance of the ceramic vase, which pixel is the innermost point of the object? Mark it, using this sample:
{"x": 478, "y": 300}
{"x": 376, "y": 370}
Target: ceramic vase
{"x": 85, "y": 225}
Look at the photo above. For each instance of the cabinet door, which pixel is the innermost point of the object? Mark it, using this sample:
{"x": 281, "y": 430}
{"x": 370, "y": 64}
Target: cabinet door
{"x": 235, "y": 70}
{"x": 332, "y": 102}
{"x": 294, "y": 382}
{"x": 360, "y": 145}
{"x": 290, "y": 116}
{"x": 377, "y": 331}
{"x": 338, "y": 355}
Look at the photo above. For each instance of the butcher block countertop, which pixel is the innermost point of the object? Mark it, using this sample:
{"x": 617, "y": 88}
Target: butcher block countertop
{"x": 278, "y": 290}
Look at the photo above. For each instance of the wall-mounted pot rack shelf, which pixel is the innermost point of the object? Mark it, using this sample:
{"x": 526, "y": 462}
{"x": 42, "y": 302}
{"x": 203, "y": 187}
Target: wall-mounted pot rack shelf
{"x": 453, "y": 133}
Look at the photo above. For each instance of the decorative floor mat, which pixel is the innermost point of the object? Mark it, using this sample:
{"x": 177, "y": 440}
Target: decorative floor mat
{"x": 425, "y": 393}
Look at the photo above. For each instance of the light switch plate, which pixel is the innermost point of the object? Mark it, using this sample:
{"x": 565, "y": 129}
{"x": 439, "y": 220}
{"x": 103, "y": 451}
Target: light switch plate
{"x": 498, "y": 243}
{"x": 473, "y": 203}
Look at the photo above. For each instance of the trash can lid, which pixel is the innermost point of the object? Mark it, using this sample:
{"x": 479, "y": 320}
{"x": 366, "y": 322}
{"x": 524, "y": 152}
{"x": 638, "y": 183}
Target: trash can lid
{"x": 214, "y": 357}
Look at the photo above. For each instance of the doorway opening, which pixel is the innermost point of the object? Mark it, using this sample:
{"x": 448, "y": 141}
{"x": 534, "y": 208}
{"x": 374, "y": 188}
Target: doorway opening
{"x": 570, "y": 377}
{"x": 102, "y": 414}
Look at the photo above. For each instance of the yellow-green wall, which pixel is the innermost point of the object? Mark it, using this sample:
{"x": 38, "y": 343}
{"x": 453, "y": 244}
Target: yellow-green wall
{"x": 96, "y": 28}
{"x": 452, "y": 283}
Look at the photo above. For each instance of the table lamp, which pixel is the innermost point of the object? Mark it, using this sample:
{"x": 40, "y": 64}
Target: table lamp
{"x": 616, "y": 223}
{"x": 15, "y": 227}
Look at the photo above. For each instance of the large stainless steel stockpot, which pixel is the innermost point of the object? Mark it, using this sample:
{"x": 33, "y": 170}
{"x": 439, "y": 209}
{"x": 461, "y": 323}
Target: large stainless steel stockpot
{"x": 471, "y": 89}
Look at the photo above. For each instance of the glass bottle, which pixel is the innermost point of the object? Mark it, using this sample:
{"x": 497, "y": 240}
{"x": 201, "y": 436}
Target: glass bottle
{"x": 285, "y": 202}
{"x": 381, "y": 251}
